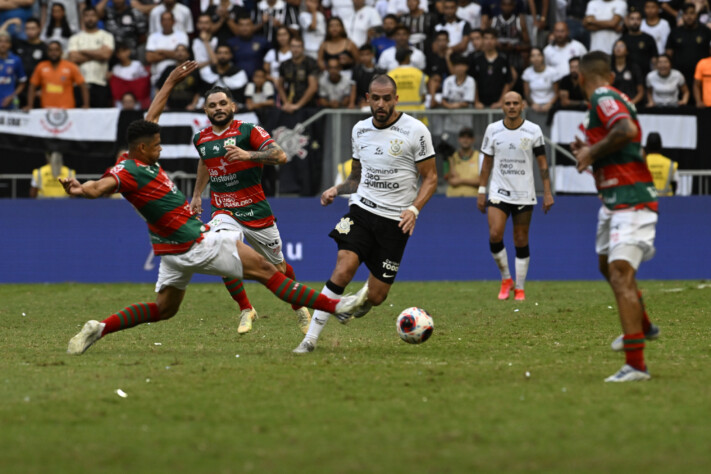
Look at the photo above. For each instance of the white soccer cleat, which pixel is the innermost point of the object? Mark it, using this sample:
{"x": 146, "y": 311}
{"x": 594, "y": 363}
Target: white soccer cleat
{"x": 303, "y": 319}
{"x": 89, "y": 334}
{"x": 245, "y": 321}
{"x": 629, "y": 374}
{"x": 305, "y": 347}
{"x": 349, "y": 304}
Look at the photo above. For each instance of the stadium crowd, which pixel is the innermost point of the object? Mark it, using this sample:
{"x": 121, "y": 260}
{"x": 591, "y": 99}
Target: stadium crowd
{"x": 293, "y": 54}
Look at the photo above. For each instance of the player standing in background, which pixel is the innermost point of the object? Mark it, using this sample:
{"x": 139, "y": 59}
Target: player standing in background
{"x": 628, "y": 217}
{"x": 390, "y": 151}
{"x": 509, "y": 147}
{"x": 232, "y": 155}
{"x": 185, "y": 245}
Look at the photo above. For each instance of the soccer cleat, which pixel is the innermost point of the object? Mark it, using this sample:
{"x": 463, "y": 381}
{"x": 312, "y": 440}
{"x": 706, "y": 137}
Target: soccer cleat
{"x": 89, "y": 334}
{"x": 619, "y": 343}
{"x": 303, "y": 319}
{"x": 349, "y": 304}
{"x": 506, "y": 287}
{"x": 305, "y": 347}
{"x": 245, "y": 321}
{"x": 359, "y": 313}
{"x": 519, "y": 295}
{"x": 629, "y": 374}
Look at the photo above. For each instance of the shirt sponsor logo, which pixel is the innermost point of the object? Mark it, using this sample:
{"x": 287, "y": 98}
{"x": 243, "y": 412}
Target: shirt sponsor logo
{"x": 395, "y": 128}
{"x": 423, "y": 146}
{"x": 608, "y": 106}
{"x": 390, "y": 265}
{"x": 230, "y": 142}
{"x": 229, "y": 200}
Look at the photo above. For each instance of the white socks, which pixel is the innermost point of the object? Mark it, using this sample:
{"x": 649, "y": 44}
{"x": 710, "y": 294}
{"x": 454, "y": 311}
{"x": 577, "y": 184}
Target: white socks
{"x": 319, "y": 318}
{"x": 521, "y": 271}
{"x": 502, "y": 261}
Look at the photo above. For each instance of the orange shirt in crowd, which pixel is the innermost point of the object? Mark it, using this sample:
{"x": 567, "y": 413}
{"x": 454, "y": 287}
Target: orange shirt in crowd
{"x": 57, "y": 83}
{"x": 703, "y": 75}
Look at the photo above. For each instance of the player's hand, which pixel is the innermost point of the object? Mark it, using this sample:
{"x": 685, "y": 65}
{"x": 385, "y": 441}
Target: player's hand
{"x": 581, "y": 150}
{"x": 196, "y": 205}
{"x": 407, "y": 221}
{"x": 71, "y": 186}
{"x": 235, "y": 153}
{"x": 182, "y": 71}
{"x": 328, "y": 196}
{"x": 547, "y": 202}
{"x": 481, "y": 202}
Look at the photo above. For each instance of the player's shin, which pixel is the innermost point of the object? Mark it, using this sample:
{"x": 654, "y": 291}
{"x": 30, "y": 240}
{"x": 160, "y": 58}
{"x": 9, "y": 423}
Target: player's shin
{"x": 236, "y": 289}
{"x": 320, "y": 318}
{"x": 295, "y": 293}
{"x": 498, "y": 251}
{"x": 290, "y": 274}
{"x": 634, "y": 350}
{"x": 523, "y": 258}
{"x": 131, "y": 316}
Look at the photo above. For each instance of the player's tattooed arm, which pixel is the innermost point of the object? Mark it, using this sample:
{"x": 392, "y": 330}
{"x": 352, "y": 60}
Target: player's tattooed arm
{"x": 350, "y": 185}
{"x": 272, "y": 154}
{"x": 623, "y": 132}
{"x": 545, "y": 174}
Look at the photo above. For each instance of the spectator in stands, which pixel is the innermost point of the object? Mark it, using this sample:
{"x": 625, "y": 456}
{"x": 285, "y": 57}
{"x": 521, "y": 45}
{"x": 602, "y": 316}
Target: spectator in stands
{"x": 491, "y": 8}
{"x": 224, "y": 15}
{"x": 570, "y": 93}
{"x": 182, "y": 17}
{"x": 573, "y": 16}
{"x": 186, "y": 94}
{"x": 664, "y": 85}
{"x": 559, "y": 52}
{"x": 364, "y": 72}
{"x": 664, "y": 171}
{"x": 401, "y": 36}
{"x": 492, "y": 73}
{"x": 56, "y": 79}
{"x": 270, "y": 15}
{"x": 123, "y": 21}
{"x": 702, "y": 83}
{"x": 470, "y": 11}
{"x": 91, "y": 49}
{"x": 512, "y": 33}
{"x": 45, "y": 180}
{"x": 438, "y": 59}
{"x": 277, "y": 55}
{"x": 603, "y": 19}
{"x": 421, "y": 24}
{"x": 703, "y": 11}
{"x": 399, "y": 8}
{"x": 70, "y": 12}
{"x": 160, "y": 48}
{"x": 671, "y": 10}
{"x": 129, "y": 76}
{"x": 335, "y": 90}
{"x": 339, "y": 8}
{"x": 14, "y": 14}
{"x": 540, "y": 84}
{"x": 458, "y": 92}
{"x": 204, "y": 43}
{"x": 298, "y": 79}
{"x": 628, "y": 77}
{"x": 463, "y": 175}
{"x": 458, "y": 29}
{"x": 31, "y": 51}
{"x": 260, "y": 93}
{"x": 641, "y": 47}
{"x": 226, "y": 73}
{"x": 411, "y": 82}
{"x": 655, "y": 26}
{"x": 384, "y": 36}
{"x": 313, "y": 28}
{"x": 248, "y": 49}
{"x": 476, "y": 39}
{"x": 129, "y": 102}
{"x": 364, "y": 18}
{"x": 57, "y": 27}
{"x": 12, "y": 75}
{"x": 688, "y": 44}
{"x": 337, "y": 45}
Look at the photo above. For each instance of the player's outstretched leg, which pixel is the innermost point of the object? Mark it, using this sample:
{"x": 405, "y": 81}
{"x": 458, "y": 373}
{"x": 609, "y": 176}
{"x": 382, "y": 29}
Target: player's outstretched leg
{"x": 248, "y": 314}
{"x": 319, "y": 320}
{"x": 303, "y": 317}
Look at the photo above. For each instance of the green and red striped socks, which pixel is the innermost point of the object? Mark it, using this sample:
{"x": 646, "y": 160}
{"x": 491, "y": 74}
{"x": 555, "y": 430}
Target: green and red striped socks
{"x": 290, "y": 274}
{"x": 297, "y": 294}
{"x": 238, "y": 293}
{"x": 634, "y": 350}
{"x": 131, "y": 316}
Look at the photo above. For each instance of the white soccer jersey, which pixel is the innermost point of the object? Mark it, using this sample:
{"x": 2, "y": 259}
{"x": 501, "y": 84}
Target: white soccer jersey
{"x": 512, "y": 171}
{"x": 388, "y": 158}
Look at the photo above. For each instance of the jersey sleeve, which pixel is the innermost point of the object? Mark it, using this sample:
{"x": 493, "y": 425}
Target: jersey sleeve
{"x": 487, "y": 145}
{"x": 539, "y": 143}
{"x": 423, "y": 147}
{"x": 259, "y": 138}
{"x": 610, "y": 110}
{"x": 125, "y": 181}
{"x": 354, "y": 146}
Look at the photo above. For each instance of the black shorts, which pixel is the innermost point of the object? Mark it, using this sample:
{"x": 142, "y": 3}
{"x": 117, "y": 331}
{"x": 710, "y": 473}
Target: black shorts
{"x": 377, "y": 241}
{"x": 511, "y": 209}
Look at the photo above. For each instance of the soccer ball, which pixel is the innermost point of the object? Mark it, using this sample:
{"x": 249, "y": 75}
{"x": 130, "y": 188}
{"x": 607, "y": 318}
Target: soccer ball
{"x": 414, "y": 325}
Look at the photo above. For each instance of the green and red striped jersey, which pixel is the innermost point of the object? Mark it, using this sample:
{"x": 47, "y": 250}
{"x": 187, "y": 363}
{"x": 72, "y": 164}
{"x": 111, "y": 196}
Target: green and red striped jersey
{"x": 236, "y": 187}
{"x": 172, "y": 226}
{"x": 622, "y": 177}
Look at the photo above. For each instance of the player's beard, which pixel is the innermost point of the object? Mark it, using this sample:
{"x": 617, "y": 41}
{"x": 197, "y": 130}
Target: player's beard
{"x": 229, "y": 115}
{"x": 388, "y": 114}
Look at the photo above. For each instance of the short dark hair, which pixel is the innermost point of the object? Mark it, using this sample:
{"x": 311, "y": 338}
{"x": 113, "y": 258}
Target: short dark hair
{"x": 217, "y": 90}
{"x": 574, "y": 58}
{"x": 33, "y": 20}
{"x": 383, "y": 79}
{"x": 366, "y": 47}
{"x": 401, "y": 27}
{"x": 688, "y": 5}
{"x": 458, "y": 58}
{"x": 654, "y": 143}
{"x": 390, "y": 16}
{"x": 442, "y": 33}
{"x": 59, "y": 43}
{"x": 140, "y": 130}
{"x": 597, "y": 63}
{"x": 466, "y": 132}
{"x": 90, "y": 9}
{"x": 476, "y": 30}
{"x": 490, "y": 32}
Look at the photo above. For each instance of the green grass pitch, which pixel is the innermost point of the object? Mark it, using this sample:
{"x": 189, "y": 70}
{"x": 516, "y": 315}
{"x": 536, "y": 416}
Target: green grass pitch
{"x": 201, "y": 398}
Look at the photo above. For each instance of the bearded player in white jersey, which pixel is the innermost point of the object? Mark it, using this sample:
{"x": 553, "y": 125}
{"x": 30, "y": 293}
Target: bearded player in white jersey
{"x": 391, "y": 151}
{"x": 509, "y": 148}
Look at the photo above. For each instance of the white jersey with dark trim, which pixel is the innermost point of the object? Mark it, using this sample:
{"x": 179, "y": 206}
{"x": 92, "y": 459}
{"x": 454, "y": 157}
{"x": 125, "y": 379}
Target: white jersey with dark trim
{"x": 512, "y": 170}
{"x": 388, "y": 158}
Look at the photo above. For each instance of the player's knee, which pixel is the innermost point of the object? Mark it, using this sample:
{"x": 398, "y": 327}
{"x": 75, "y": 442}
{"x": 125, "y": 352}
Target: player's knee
{"x": 520, "y": 239}
{"x": 168, "y": 309}
{"x": 376, "y": 298}
{"x": 496, "y": 235}
{"x": 621, "y": 276}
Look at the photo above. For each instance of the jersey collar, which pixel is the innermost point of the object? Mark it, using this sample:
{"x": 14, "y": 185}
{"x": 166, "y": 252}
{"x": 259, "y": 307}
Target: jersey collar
{"x": 388, "y": 126}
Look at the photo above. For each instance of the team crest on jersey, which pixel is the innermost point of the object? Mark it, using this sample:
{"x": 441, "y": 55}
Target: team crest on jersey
{"x": 525, "y": 143}
{"x": 608, "y": 106}
{"x": 396, "y": 147}
{"x": 344, "y": 226}
{"x": 230, "y": 141}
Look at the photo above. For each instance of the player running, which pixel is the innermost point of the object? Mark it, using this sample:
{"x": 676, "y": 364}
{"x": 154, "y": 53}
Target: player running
{"x": 390, "y": 151}
{"x": 627, "y": 219}
{"x": 509, "y": 148}
{"x": 185, "y": 245}
{"x": 232, "y": 155}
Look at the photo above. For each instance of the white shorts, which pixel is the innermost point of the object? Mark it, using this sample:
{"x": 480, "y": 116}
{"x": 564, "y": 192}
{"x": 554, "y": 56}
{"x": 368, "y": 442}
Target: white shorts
{"x": 626, "y": 235}
{"x": 266, "y": 241}
{"x": 216, "y": 254}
